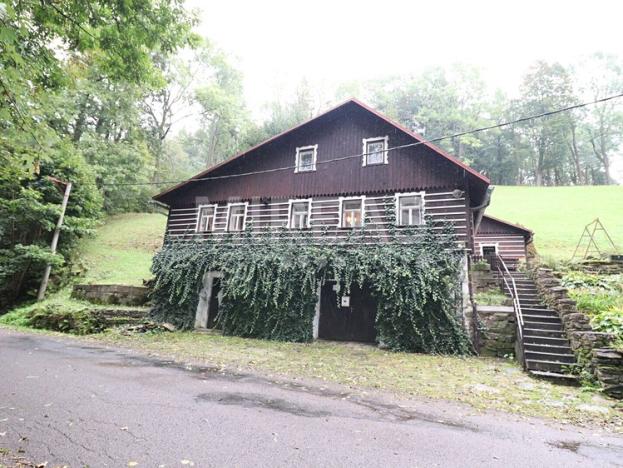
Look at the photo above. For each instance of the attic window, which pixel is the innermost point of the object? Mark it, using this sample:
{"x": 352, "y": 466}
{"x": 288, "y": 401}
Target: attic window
{"x": 306, "y": 158}
{"x": 205, "y": 218}
{"x": 374, "y": 151}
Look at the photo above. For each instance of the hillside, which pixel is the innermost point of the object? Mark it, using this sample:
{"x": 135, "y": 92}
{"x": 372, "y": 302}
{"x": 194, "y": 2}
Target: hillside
{"x": 122, "y": 249}
{"x": 557, "y": 215}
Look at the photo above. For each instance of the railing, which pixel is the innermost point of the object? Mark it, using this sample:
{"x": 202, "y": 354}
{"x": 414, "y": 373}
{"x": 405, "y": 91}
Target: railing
{"x": 511, "y": 287}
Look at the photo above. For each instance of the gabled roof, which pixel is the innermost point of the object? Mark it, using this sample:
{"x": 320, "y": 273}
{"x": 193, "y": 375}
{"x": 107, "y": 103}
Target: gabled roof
{"x": 517, "y": 227}
{"x": 477, "y": 175}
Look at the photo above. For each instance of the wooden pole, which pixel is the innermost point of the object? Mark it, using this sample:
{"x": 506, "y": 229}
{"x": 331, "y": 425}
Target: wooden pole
{"x": 57, "y": 232}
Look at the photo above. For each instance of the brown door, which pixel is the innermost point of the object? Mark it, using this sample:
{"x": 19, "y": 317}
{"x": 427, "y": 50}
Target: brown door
{"x": 354, "y": 322}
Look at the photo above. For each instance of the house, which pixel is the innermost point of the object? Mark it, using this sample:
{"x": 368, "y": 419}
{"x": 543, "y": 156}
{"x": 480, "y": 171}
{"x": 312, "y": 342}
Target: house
{"x": 499, "y": 237}
{"x": 327, "y": 177}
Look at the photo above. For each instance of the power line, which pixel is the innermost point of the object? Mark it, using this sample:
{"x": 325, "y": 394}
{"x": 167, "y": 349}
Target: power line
{"x": 393, "y": 148}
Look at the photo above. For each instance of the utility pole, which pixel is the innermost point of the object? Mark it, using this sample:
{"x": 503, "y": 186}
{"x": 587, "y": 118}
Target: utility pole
{"x": 57, "y": 232}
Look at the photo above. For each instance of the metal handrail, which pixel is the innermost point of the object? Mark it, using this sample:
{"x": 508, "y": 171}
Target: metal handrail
{"x": 513, "y": 292}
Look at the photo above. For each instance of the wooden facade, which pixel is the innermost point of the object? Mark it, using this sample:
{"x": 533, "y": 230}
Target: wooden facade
{"x": 324, "y": 222}
{"x": 261, "y": 184}
{"x": 508, "y": 240}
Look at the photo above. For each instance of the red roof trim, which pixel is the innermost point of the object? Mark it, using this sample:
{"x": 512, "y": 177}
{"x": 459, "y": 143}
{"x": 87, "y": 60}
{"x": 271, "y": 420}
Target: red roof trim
{"x": 351, "y": 100}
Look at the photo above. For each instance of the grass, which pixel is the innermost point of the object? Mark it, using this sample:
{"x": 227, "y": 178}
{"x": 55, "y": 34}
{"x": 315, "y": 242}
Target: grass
{"x": 122, "y": 249}
{"x": 483, "y": 383}
{"x": 557, "y": 215}
{"x": 491, "y": 297}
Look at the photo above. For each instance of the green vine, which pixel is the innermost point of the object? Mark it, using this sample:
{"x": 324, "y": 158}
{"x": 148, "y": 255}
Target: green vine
{"x": 270, "y": 284}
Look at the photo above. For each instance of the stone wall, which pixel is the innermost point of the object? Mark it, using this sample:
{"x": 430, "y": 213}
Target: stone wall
{"x": 601, "y": 267}
{"x": 483, "y": 280}
{"x": 608, "y": 364}
{"x": 497, "y": 330}
{"x": 590, "y": 347}
{"x": 111, "y": 294}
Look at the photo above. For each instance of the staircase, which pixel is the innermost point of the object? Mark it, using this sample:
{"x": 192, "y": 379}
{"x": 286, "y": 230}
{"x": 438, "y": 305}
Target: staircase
{"x": 546, "y": 349}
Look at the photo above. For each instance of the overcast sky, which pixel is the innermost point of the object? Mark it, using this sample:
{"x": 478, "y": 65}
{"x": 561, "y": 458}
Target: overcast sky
{"x": 278, "y": 43}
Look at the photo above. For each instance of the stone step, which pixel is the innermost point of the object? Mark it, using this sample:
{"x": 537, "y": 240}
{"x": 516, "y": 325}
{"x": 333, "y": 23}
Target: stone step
{"x": 533, "y": 306}
{"x": 547, "y": 348}
{"x": 552, "y": 318}
{"x": 538, "y": 311}
{"x": 567, "y": 379}
{"x": 549, "y": 366}
{"x": 540, "y": 325}
{"x": 543, "y": 333}
{"x": 544, "y": 340}
{"x": 563, "y": 358}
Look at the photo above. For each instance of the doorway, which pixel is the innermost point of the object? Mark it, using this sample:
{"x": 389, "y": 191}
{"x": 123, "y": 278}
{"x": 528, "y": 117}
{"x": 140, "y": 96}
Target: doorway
{"x": 353, "y": 319}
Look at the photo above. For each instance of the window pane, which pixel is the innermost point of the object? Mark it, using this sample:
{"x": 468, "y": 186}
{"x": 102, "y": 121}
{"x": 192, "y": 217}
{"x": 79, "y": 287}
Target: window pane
{"x": 236, "y": 218}
{"x": 300, "y": 215}
{"x": 410, "y": 210}
{"x": 374, "y": 150}
{"x": 306, "y": 160}
{"x": 351, "y": 213}
{"x": 206, "y": 219}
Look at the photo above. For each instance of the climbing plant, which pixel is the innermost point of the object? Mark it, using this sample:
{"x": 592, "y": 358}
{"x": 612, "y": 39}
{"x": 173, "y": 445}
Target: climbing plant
{"x": 271, "y": 280}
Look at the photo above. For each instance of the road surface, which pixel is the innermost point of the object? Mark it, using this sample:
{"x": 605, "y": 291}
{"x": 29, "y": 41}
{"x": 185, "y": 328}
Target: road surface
{"x": 67, "y": 403}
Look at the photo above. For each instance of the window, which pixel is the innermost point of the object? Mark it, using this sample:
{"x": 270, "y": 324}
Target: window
{"x": 299, "y": 217}
{"x": 205, "y": 218}
{"x": 351, "y": 213}
{"x": 236, "y": 216}
{"x": 306, "y": 158}
{"x": 489, "y": 250}
{"x": 375, "y": 151}
{"x": 409, "y": 209}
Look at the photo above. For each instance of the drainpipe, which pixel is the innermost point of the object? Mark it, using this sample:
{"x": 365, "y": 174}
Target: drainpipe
{"x": 479, "y": 210}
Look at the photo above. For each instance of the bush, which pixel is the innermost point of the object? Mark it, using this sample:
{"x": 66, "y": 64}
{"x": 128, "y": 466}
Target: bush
{"x": 78, "y": 321}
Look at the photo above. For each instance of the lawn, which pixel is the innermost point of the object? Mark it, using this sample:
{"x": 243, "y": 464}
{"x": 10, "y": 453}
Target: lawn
{"x": 122, "y": 249}
{"x": 557, "y": 215}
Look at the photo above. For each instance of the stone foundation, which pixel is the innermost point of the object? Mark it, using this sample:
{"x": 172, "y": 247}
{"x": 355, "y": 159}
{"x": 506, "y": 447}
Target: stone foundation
{"x": 497, "y": 330}
{"x": 111, "y": 294}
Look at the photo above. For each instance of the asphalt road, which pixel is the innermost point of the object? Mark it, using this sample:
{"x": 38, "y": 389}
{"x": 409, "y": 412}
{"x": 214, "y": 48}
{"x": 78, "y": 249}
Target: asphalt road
{"x": 64, "y": 402}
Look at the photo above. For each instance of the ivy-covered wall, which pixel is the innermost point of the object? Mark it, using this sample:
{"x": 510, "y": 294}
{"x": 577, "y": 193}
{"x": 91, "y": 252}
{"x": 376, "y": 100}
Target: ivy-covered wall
{"x": 270, "y": 284}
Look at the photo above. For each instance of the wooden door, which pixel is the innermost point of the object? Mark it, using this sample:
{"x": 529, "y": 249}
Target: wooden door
{"x": 214, "y": 302}
{"x": 352, "y": 323}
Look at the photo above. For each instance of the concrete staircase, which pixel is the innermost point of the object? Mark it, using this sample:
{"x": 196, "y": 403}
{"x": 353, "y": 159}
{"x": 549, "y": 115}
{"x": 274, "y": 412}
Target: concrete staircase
{"x": 546, "y": 348}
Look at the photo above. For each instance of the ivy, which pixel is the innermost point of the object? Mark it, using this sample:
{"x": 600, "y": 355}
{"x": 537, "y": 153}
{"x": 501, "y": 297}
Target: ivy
{"x": 270, "y": 284}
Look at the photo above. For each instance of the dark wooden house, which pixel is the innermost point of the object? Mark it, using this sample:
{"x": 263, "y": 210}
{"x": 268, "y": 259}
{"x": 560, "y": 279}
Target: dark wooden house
{"x": 331, "y": 174}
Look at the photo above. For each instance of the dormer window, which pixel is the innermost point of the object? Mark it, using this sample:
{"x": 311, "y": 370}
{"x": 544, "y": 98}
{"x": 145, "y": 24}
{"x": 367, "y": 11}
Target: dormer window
{"x": 375, "y": 151}
{"x": 306, "y": 158}
{"x": 205, "y": 218}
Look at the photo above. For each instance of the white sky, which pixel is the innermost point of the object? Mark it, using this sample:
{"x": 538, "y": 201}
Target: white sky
{"x": 278, "y": 43}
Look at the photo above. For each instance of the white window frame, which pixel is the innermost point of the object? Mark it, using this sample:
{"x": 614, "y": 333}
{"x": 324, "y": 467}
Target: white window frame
{"x": 363, "y": 211}
{"x": 385, "y": 140}
{"x": 244, "y": 219}
{"x": 309, "y": 206}
{"x": 399, "y": 195}
{"x": 495, "y": 245}
{"x": 215, "y": 206}
{"x": 299, "y": 149}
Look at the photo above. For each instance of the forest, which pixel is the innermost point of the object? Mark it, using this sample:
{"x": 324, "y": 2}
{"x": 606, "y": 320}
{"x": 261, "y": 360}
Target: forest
{"x": 101, "y": 94}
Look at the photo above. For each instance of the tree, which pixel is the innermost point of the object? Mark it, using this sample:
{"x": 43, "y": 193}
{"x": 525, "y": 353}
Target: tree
{"x": 603, "y": 122}
{"x": 546, "y": 87}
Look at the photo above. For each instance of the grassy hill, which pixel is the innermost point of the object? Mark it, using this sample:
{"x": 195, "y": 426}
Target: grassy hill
{"x": 557, "y": 215}
{"x": 122, "y": 249}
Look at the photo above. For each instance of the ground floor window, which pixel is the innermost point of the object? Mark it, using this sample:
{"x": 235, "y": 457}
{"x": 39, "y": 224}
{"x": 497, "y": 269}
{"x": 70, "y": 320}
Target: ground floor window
{"x": 236, "y": 217}
{"x": 410, "y": 209}
{"x": 299, "y": 214}
{"x": 351, "y": 212}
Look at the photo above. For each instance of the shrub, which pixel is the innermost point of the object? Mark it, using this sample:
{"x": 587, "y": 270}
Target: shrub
{"x": 79, "y": 321}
